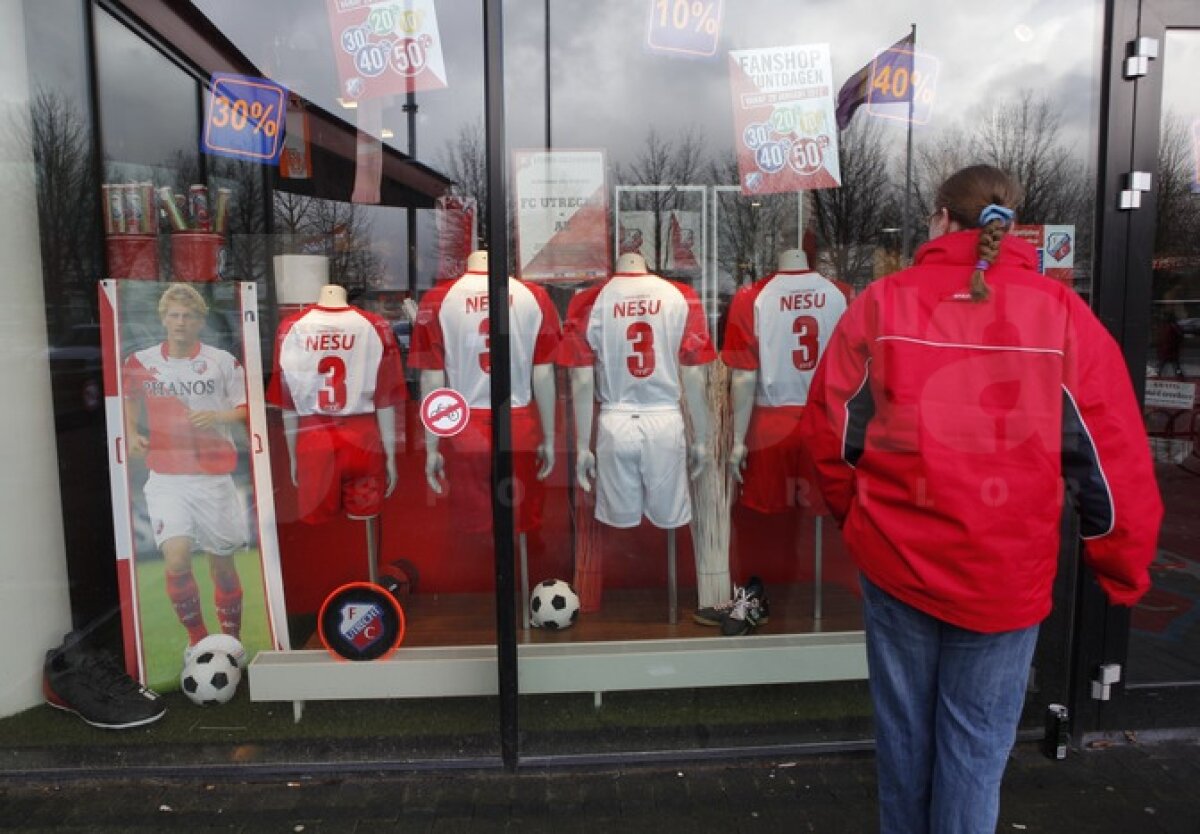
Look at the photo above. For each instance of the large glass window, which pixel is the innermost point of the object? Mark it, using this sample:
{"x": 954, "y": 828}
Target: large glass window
{"x": 676, "y": 170}
{"x": 715, "y": 145}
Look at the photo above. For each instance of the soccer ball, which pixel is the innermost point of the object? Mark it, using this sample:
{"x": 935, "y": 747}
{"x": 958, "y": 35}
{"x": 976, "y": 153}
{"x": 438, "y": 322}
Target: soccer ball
{"x": 210, "y": 678}
{"x": 553, "y": 605}
{"x": 226, "y": 643}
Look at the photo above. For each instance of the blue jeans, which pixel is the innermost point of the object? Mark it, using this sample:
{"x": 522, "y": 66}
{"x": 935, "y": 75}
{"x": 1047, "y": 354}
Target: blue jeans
{"x": 947, "y": 704}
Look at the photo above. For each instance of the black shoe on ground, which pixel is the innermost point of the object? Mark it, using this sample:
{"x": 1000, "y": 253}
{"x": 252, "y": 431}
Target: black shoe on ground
{"x": 90, "y": 684}
{"x": 714, "y": 615}
{"x": 711, "y": 615}
{"x": 748, "y": 611}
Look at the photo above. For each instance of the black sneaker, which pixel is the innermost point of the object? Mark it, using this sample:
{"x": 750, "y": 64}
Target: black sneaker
{"x": 748, "y": 611}
{"x": 90, "y": 684}
{"x": 713, "y": 615}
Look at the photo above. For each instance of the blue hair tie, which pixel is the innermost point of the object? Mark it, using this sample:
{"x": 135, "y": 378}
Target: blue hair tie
{"x": 982, "y": 266}
{"x": 994, "y": 212}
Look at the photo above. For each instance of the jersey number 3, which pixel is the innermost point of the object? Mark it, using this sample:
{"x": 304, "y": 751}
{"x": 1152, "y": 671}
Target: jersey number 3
{"x": 485, "y": 356}
{"x": 641, "y": 340}
{"x": 332, "y": 396}
{"x": 807, "y": 332}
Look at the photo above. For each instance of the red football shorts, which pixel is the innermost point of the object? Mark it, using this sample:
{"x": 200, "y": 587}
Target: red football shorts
{"x": 779, "y": 474}
{"x": 468, "y": 457}
{"x": 341, "y": 467}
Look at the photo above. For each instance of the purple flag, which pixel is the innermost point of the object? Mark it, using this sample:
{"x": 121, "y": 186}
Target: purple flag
{"x": 857, "y": 89}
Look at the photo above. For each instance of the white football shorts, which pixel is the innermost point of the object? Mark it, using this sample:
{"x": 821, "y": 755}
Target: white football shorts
{"x": 205, "y": 508}
{"x": 641, "y": 468}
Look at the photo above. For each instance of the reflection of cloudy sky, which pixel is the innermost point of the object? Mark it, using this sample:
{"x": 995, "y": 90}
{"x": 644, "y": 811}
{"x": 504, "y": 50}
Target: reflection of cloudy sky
{"x": 608, "y": 90}
{"x": 1181, "y": 57}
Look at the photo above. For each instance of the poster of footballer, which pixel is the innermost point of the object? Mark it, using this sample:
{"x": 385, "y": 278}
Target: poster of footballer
{"x": 386, "y": 48}
{"x": 562, "y": 215}
{"x": 784, "y": 117}
{"x": 188, "y": 462}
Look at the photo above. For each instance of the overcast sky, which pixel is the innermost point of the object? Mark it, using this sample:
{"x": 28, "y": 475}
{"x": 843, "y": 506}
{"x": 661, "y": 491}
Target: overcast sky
{"x": 608, "y": 89}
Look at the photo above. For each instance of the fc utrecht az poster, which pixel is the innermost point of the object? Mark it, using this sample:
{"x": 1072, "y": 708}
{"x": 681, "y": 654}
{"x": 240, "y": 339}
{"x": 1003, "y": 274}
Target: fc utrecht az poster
{"x": 562, "y": 217}
{"x": 784, "y": 116}
{"x": 386, "y": 48}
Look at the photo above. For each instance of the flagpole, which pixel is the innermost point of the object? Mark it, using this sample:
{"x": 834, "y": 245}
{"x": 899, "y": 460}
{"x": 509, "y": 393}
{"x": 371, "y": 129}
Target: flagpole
{"x": 908, "y": 231}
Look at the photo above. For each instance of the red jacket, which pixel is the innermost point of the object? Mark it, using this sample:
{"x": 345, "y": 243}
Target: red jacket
{"x": 944, "y": 432}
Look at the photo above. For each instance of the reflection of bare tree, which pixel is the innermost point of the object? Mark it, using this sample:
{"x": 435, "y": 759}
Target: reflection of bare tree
{"x": 67, "y": 192}
{"x": 465, "y": 163}
{"x": 1023, "y": 136}
{"x": 1177, "y": 230}
{"x": 340, "y": 231}
{"x": 663, "y": 162}
{"x": 850, "y": 218}
{"x": 752, "y": 230}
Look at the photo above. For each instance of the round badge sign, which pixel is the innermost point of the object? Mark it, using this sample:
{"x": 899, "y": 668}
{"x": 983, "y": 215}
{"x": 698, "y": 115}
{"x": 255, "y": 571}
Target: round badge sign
{"x": 361, "y": 621}
{"x": 444, "y": 412}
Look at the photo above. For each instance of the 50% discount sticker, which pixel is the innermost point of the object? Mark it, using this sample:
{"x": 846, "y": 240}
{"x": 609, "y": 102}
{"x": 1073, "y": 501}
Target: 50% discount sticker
{"x": 245, "y": 118}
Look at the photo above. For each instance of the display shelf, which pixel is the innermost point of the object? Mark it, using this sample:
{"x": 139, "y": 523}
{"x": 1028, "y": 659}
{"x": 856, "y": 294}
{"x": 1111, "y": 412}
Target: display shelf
{"x": 557, "y": 668}
{"x": 447, "y": 651}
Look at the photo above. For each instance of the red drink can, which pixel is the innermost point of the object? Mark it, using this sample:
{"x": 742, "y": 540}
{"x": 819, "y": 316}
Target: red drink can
{"x": 150, "y": 226}
{"x": 135, "y": 211}
{"x": 106, "y": 198}
{"x": 198, "y": 208}
{"x": 114, "y": 209}
{"x": 175, "y": 213}
{"x": 220, "y": 222}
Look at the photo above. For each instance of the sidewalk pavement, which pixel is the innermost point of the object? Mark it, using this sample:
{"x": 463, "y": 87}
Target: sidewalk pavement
{"x": 1124, "y": 786}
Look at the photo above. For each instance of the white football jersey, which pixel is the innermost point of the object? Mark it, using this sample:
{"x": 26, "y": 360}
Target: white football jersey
{"x": 637, "y": 330}
{"x": 210, "y": 379}
{"x": 452, "y": 334}
{"x": 336, "y": 361}
{"x": 780, "y": 327}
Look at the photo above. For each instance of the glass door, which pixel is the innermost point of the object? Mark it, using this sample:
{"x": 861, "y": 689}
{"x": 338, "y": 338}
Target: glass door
{"x": 1153, "y": 305}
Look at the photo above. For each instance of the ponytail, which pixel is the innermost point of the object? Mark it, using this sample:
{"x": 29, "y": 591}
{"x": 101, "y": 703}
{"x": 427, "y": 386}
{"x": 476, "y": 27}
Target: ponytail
{"x": 982, "y": 197}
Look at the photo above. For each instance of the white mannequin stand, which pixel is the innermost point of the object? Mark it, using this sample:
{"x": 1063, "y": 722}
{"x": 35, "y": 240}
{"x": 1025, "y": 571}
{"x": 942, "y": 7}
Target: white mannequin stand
{"x": 743, "y": 385}
{"x": 583, "y": 397}
{"x": 544, "y": 399}
{"x": 333, "y": 296}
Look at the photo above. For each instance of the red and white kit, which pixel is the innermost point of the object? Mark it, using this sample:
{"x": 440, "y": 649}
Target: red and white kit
{"x": 189, "y": 491}
{"x": 334, "y": 367}
{"x": 779, "y": 327}
{"x": 637, "y": 330}
{"x": 451, "y": 335}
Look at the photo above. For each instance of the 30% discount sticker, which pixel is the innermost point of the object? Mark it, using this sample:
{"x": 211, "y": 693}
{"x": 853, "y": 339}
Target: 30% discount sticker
{"x": 245, "y": 118}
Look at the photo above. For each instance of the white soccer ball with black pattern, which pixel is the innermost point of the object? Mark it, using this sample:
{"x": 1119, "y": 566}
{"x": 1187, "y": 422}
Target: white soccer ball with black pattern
{"x": 554, "y": 605}
{"x": 210, "y": 678}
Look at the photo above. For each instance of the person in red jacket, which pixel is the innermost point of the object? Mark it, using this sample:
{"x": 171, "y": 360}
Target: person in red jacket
{"x": 959, "y": 404}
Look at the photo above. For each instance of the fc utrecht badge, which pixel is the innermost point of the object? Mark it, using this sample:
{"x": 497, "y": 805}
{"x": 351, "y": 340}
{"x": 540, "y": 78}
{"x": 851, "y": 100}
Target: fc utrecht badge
{"x": 361, "y": 621}
{"x": 362, "y": 625}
